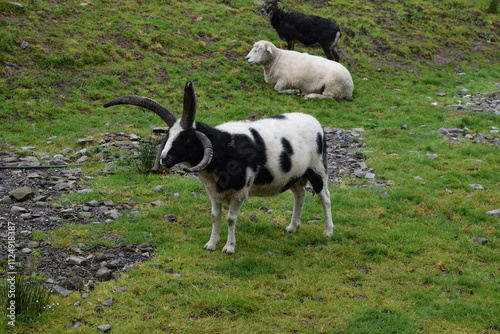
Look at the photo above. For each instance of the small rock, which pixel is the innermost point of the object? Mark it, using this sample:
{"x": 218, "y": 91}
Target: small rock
{"x": 59, "y": 290}
{"x": 170, "y": 217}
{"x": 144, "y": 247}
{"x": 494, "y": 213}
{"x": 74, "y": 283}
{"x": 62, "y": 186}
{"x": 76, "y": 325}
{"x": 22, "y": 194}
{"x": 58, "y": 160}
{"x": 103, "y": 274}
{"x": 93, "y": 203}
{"x": 85, "y": 141}
{"x": 77, "y": 260}
{"x": 476, "y": 186}
{"x": 98, "y": 308}
{"x": 104, "y": 328}
{"x": 115, "y": 264}
{"x": 26, "y": 250}
{"x": 108, "y": 303}
{"x": 158, "y": 203}
{"x": 481, "y": 240}
{"x": 454, "y": 131}
{"x": 84, "y": 191}
{"x": 113, "y": 214}
{"x": 6, "y": 200}
{"x": 160, "y": 188}
{"x": 33, "y": 244}
{"x": 431, "y": 156}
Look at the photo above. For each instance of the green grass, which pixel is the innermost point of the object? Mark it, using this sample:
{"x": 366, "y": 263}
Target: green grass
{"x": 402, "y": 258}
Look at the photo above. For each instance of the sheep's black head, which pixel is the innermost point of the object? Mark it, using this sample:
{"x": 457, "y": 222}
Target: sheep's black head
{"x": 269, "y": 6}
{"x": 185, "y": 146}
{"x": 184, "y": 143}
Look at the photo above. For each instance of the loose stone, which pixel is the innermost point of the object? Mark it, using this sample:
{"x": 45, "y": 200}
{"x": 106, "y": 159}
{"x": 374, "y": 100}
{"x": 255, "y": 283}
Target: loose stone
{"x": 108, "y": 303}
{"x": 59, "y": 290}
{"x": 495, "y": 213}
{"x": 104, "y": 328}
{"x": 103, "y": 274}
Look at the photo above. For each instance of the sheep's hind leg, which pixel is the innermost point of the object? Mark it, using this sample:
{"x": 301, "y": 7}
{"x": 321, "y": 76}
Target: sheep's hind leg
{"x": 289, "y": 91}
{"x": 324, "y": 196}
{"x": 215, "y": 236}
{"x": 335, "y": 54}
{"x": 299, "y": 194}
{"x": 232, "y": 216}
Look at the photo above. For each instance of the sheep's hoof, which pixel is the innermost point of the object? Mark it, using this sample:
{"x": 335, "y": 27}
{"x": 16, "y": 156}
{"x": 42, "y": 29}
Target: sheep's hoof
{"x": 291, "y": 229}
{"x": 328, "y": 232}
{"x": 228, "y": 249}
{"x": 209, "y": 247}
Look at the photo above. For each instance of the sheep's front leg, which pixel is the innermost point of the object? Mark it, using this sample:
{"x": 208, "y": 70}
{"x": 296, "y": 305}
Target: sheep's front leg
{"x": 215, "y": 236}
{"x": 313, "y": 95}
{"x": 282, "y": 88}
{"x": 232, "y": 216}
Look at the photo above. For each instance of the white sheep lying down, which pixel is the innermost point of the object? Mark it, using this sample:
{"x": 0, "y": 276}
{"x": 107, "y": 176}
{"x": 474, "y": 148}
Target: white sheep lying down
{"x": 301, "y": 73}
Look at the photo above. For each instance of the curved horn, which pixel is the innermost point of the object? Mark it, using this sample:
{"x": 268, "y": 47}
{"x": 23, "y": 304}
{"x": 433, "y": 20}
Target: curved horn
{"x": 207, "y": 155}
{"x": 189, "y": 111}
{"x": 156, "y": 165}
{"x": 147, "y": 103}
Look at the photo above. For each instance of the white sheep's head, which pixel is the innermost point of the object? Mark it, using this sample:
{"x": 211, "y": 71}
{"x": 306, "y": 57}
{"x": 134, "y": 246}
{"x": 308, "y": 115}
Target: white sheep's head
{"x": 185, "y": 144}
{"x": 261, "y": 53}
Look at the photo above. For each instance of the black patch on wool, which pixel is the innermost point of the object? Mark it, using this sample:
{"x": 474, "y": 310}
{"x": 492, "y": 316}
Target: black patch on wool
{"x": 278, "y": 117}
{"x": 233, "y": 154}
{"x": 286, "y": 156}
{"x": 315, "y": 179}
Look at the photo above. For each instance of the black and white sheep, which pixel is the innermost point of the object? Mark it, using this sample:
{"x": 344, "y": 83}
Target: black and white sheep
{"x": 307, "y": 29}
{"x": 301, "y": 73}
{"x": 236, "y": 160}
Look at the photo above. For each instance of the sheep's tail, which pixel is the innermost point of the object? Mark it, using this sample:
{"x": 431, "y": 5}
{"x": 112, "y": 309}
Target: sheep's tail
{"x": 336, "y": 40}
{"x": 325, "y": 158}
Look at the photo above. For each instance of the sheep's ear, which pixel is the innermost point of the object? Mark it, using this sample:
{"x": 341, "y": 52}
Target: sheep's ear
{"x": 269, "y": 48}
{"x": 189, "y": 112}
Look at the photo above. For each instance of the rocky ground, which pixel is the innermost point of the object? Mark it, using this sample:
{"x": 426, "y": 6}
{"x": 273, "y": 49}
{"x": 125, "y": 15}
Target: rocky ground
{"x": 28, "y": 198}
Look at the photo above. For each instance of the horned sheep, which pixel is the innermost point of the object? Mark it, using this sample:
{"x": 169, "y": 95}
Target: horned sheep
{"x": 301, "y": 73}
{"x": 236, "y": 160}
{"x": 306, "y": 29}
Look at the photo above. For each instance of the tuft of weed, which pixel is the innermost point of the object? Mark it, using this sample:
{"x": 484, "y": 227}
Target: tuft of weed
{"x": 23, "y": 297}
{"x": 147, "y": 151}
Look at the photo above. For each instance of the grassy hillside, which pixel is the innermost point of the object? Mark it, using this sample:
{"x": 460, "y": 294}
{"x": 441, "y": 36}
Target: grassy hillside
{"x": 402, "y": 259}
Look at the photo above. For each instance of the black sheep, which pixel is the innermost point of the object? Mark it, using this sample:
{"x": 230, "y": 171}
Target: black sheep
{"x": 307, "y": 29}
